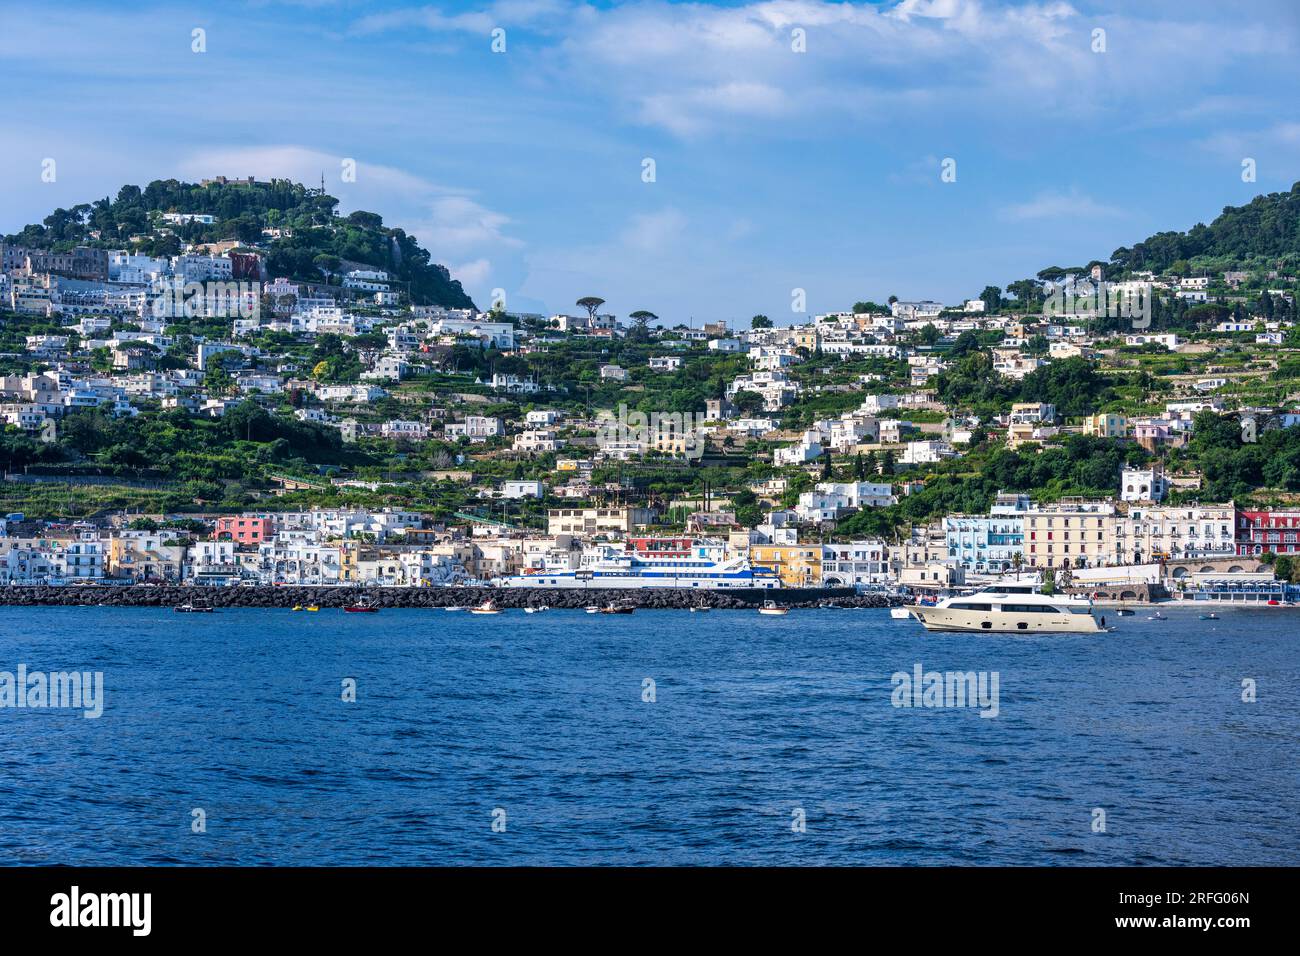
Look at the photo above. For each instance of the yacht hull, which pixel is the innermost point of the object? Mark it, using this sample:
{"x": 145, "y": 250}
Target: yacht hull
{"x": 1005, "y": 622}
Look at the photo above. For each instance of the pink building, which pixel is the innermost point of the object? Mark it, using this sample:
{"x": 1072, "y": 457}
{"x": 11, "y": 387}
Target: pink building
{"x": 244, "y": 530}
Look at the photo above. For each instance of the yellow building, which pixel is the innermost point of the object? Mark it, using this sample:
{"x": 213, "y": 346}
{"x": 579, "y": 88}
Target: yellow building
{"x": 593, "y": 521}
{"x": 798, "y": 565}
{"x": 1106, "y": 425}
{"x": 806, "y": 339}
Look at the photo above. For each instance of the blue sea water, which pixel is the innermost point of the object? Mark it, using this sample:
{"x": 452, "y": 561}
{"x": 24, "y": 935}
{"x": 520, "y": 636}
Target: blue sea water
{"x": 544, "y": 716}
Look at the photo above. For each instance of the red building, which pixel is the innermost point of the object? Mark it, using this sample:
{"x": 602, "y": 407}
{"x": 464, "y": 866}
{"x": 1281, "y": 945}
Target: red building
{"x": 1275, "y": 531}
{"x": 244, "y": 530}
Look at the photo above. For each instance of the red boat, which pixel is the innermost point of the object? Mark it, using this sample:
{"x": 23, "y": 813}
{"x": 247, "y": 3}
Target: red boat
{"x": 362, "y": 608}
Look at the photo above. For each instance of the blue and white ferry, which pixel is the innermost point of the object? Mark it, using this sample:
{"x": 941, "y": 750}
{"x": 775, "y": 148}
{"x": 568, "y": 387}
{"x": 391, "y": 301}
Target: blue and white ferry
{"x": 649, "y": 563}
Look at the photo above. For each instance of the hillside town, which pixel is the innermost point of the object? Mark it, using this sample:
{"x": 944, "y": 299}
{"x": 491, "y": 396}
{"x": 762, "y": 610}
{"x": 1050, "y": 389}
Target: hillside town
{"x": 184, "y": 408}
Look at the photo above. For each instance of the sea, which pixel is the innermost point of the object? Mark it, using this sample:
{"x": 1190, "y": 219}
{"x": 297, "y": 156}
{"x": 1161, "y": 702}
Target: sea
{"x": 427, "y": 737}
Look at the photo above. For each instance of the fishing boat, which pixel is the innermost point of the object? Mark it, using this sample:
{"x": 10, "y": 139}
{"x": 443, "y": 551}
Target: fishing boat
{"x": 361, "y": 607}
{"x": 487, "y": 607}
{"x": 1010, "y": 608}
{"x": 191, "y": 608}
{"x": 700, "y": 608}
{"x": 772, "y": 608}
{"x": 617, "y": 609}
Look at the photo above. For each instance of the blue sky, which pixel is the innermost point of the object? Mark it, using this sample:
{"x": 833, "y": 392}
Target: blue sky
{"x": 775, "y": 169}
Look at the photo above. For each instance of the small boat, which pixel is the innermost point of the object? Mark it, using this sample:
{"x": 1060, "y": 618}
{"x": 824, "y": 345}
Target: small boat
{"x": 899, "y": 613}
{"x": 771, "y": 607}
{"x": 1210, "y": 617}
{"x": 536, "y": 610}
{"x": 1125, "y": 612}
{"x": 700, "y": 608}
{"x": 454, "y": 607}
{"x": 1157, "y": 617}
{"x": 361, "y": 607}
{"x": 189, "y": 608}
{"x": 592, "y": 609}
{"x": 312, "y": 607}
{"x": 487, "y": 607}
{"x": 617, "y": 609}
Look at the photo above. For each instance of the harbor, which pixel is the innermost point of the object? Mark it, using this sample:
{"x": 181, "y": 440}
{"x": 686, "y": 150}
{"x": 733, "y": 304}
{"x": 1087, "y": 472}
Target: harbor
{"x": 658, "y": 737}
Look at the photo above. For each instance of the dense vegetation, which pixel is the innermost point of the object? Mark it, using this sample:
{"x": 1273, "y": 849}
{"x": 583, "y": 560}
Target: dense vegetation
{"x": 314, "y": 240}
{"x": 1267, "y": 227}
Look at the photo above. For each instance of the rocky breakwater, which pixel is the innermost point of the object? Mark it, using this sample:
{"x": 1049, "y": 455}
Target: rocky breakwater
{"x": 338, "y": 597}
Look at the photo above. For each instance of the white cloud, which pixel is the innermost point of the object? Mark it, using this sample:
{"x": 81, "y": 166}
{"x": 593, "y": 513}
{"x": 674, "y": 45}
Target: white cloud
{"x": 692, "y": 68}
{"x": 473, "y": 274}
{"x": 1059, "y": 206}
{"x": 446, "y": 221}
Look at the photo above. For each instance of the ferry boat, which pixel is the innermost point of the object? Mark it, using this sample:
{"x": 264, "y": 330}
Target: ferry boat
{"x": 1010, "y": 608}
{"x": 647, "y": 563}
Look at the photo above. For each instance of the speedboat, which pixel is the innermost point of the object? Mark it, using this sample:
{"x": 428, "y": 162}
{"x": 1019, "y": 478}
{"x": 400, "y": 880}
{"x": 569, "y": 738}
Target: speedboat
{"x": 1009, "y": 608}
{"x": 592, "y": 609}
{"x": 1157, "y": 617}
{"x": 899, "y": 613}
{"x": 771, "y": 607}
{"x": 536, "y": 610}
{"x": 190, "y": 608}
{"x": 487, "y": 607}
{"x": 454, "y": 607}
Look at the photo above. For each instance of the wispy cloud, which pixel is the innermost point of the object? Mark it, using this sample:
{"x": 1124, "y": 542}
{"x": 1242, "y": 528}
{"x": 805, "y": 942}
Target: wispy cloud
{"x": 1063, "y": 206}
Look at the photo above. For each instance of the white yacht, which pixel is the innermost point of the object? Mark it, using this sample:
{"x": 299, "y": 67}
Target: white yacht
{"x": 1010, "y": 608}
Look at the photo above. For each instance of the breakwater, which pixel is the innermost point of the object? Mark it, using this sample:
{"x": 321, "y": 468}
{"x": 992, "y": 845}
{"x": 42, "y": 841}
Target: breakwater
{"x": 336, "y": 597}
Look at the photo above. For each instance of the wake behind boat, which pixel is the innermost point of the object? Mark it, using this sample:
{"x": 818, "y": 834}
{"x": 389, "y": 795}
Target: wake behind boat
{"x": 1010, "y": 608}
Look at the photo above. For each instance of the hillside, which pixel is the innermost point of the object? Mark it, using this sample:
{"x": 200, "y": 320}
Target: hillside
{"x": 1265, "y": 229}
{"x": 312, "y": 236}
